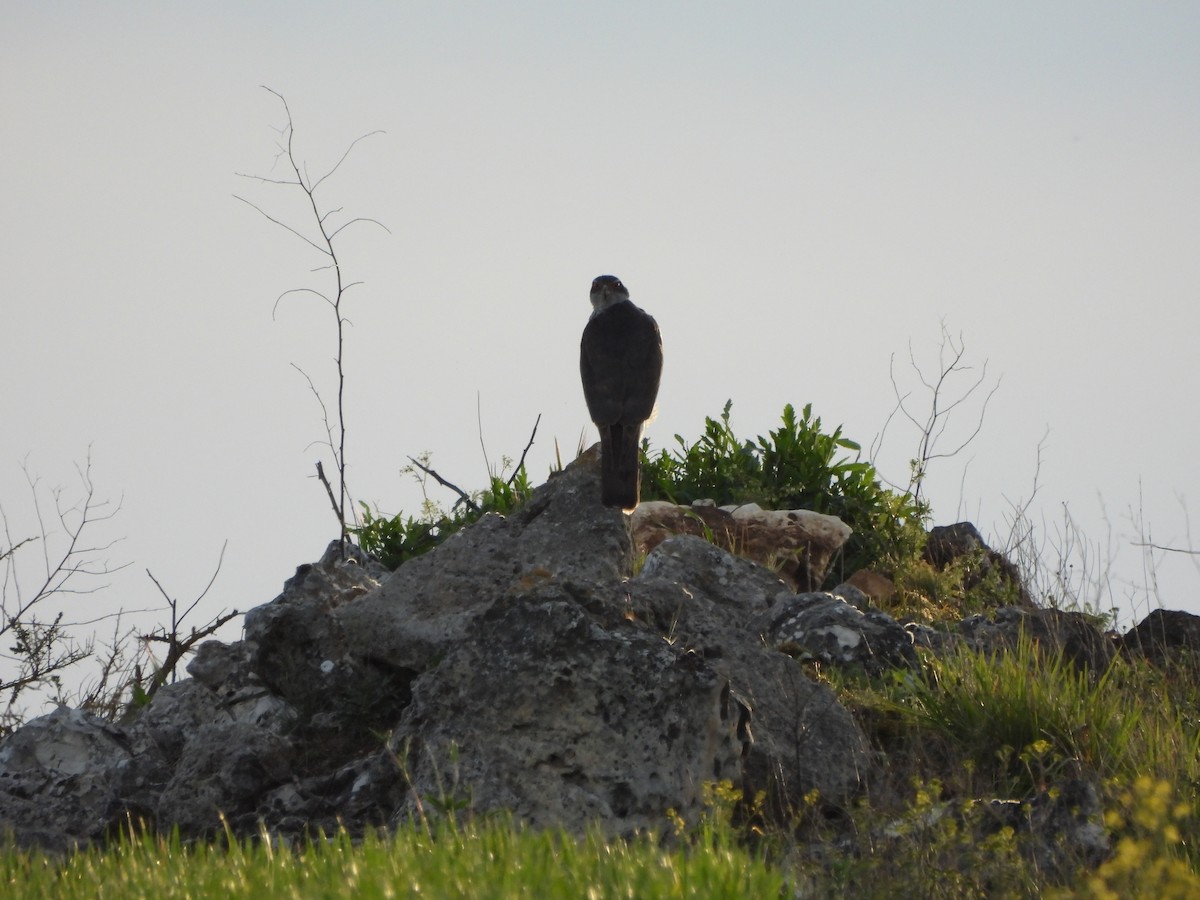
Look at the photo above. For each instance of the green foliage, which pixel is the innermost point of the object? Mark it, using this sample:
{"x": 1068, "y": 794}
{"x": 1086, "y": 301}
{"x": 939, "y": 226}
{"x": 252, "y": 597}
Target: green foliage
{"x": 1021, "y": 717}
{"x": 931, "y": 847}
{"x": 1150, "y": 859}
{"x": 492, "y": 859}
{"x": 394, "y": 540}
{"x": 796, "y": 466}
{"x": 928, "y": 594}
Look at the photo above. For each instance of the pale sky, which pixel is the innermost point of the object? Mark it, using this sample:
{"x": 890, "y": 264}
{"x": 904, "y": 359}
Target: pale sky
{"x": 796, "y": 191}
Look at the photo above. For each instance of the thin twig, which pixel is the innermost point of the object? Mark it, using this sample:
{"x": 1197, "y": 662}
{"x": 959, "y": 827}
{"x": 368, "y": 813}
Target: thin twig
{"x": 464, "y": 497}
{"x": 325, "y": 245}
{"x": 521, "y": 461}
{"x": 1154, "y": 546}
{"x": 328, "y": 488}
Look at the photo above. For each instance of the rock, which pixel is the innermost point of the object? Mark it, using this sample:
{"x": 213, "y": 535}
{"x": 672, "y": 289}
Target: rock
{"x": 1072, "y": 633}
{"x": 712, "y": 603}
{"x": 797, "y": 543}
{"x": 962, "y": 542}
{"x": 224, "y": 769}
{"x": 516, "y": 666}
{"x": 1165, "y": 636}
{"x": 567, "y": 717}
{"x": 226, "y": 670}
{"x": 429, "y": 604}
{"x": 825, "y": 627}
{"x": 294, "y": 645}
{"x": 1059, "y": 829}
{"x": 58, "y": 777}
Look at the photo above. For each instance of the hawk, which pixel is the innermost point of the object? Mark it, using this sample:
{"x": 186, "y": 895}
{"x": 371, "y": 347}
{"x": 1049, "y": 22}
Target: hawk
{"x": 620, "y": 361}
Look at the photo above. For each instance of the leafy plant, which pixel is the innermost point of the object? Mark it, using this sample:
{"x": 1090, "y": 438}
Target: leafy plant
{"x": 394, "y": 540}
{"x": 797, "y": 465}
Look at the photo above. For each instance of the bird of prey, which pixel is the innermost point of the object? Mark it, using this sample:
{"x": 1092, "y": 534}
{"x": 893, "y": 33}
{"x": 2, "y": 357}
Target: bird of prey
{"x": 620, "y": 361}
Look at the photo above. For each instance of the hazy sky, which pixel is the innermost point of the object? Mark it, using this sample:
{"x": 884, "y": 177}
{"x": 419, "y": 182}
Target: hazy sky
{"x": 797, "y": 192}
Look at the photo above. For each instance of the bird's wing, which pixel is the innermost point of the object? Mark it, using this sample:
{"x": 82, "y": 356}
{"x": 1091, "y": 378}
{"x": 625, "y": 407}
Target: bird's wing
{"x": 620, "y": 361}
{"x": 644, "y": 359}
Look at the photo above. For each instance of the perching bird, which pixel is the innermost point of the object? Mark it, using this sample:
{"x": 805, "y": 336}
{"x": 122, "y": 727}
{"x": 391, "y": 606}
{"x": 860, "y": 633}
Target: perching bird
{"x": 620, "y": 360}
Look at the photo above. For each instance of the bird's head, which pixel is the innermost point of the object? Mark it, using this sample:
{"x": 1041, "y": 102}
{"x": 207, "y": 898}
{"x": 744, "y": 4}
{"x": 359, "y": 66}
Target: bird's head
{"x": 607, "y": 290}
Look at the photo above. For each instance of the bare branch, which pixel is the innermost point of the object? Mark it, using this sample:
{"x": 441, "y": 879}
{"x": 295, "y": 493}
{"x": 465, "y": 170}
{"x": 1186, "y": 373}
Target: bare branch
{"x": 340, "y": 499}
{"x": 15, "y": 547}
{"x": 521, "y": 461}
{"x": 933, "y": 425}
{"x": 282, "y": 225}
{"x": 464, "y": 497}
{"x": 328, "y": 490}
{"x": 338, "y": 164}
{"x": 179, "y": 646}
{"x": 1166, "y": 549}
{"x": 291, "y": 182}
{"x": 346, "y": 225}
{"x": 299, "y": 291}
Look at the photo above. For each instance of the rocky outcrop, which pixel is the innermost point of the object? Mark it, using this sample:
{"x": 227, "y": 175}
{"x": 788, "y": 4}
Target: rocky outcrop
{"x": 1164, "y": 637}
{"x": 962, "y": 543}
{"x": 520, "y": 666}
{"x": 1074, "y": 634}
{"x": 797, "y": 544}
{"x": 828, "y": 628}
{"x": 524, "y": 665}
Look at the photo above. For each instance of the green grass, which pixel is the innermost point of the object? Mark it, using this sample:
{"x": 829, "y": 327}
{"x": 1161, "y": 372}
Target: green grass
{"x": 488, "y": 860}
{"x": 1028, "y": 712}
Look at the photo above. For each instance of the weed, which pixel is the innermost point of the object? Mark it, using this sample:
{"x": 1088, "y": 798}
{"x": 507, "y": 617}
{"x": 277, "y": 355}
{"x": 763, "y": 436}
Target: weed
{"x": 796, "y": 466}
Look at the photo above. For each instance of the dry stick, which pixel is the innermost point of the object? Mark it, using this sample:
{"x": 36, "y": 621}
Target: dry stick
{"x": 329, "y": 491}
{"x": 43, "y": 653}
{"x": 464, "y": 497}
{"x": 177, "y": 648}
{"x": 15, "y": 547}
{"x": 309, "y": 187}
{"x": 521, "y": 461}
{"x": 1167, "y": 549}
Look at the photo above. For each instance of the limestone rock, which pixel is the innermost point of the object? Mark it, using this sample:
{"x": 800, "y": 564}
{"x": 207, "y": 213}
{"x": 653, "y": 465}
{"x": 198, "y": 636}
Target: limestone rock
{"x": 1072, "y": 633}
{"x": 568, "y": 717}
{"x": 825, "y": 627}
{"x": 58, "y": 777}
{"x": 712, "y": 603}
{"x": 797, "y": 543}
{"x": 516, "y": 666}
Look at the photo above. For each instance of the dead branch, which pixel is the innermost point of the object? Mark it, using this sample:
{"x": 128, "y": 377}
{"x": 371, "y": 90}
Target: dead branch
{"x": 464, "y": 497}
{"x": 178, "y": 645}
{"x": 42, "y": 648}
{"x": 521, "y": 461}
{"x": 324, "y": 244}
{"x": 932, "y": 425}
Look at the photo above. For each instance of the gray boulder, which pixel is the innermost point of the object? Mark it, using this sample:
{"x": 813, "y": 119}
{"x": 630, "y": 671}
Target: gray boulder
{"x": 564, "y": 713}
{"x": 826, "y": 627}
{"x": 58, "y": 777}
{"x": 715, "y": 605}
{"x": 517, "y": 666}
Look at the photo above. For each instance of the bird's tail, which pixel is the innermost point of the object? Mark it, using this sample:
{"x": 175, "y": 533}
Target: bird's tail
{"x": 620, "y": 476}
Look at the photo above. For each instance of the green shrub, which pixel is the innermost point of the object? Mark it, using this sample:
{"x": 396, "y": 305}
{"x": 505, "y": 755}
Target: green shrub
{"x": 796, "y": 466}
{"x": 394, "y": 540}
